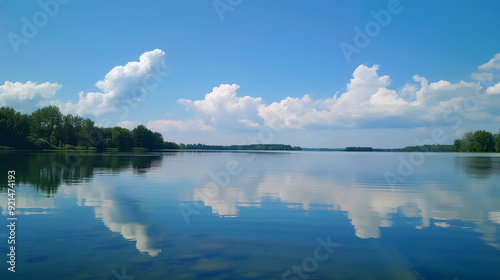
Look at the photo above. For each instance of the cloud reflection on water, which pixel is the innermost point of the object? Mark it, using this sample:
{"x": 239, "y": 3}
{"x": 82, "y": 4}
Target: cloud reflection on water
{"x": 372, "y": 207}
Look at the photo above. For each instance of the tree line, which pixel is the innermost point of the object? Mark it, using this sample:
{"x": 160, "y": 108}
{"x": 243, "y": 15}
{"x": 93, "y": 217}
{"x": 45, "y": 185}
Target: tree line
{"x": 480, "y": 141}
{"x": 358, "y": 149}
{"x": 48, "y": 129}
{"x": 273, "y": 147}
{"x": 434, "y": 148}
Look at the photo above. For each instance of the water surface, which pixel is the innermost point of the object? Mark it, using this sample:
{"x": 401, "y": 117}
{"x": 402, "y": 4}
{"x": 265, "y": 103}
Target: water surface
{"x": 237, "y": 215}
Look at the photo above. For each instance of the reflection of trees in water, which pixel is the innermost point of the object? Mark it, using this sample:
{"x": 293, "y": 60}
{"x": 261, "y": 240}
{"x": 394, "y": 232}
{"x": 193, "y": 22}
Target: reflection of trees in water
{"x": 479, "y": 165}
{"x": 47, "y": 171}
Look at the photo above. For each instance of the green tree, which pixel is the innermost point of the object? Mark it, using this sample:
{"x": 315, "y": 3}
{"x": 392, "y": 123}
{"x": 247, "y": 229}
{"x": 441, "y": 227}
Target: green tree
{"x": 14, "y": 128}
{"x": 170, "y": 145}
{"x": 143, "y": 137}
{"x": 46, "y": 124}
{"x": 497, "y": 142}
{"x": 457, "y": 145}
{"x": 157, "y": 140}
{"x": 122, "y": 138}
{"x": 71, "y": 129}
{"x": 87, "y": 125}
{"x": 107, "y": 135}
{"x": 483, "y": 141}
{"x": 87, "y": 135}
{"x": 96, "y": 139}
{"x": 47, "y": 128}
{"x": 467, "y": 144}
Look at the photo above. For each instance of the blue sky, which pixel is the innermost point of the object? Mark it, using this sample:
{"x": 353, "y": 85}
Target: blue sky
{"x": 274, "y": 71}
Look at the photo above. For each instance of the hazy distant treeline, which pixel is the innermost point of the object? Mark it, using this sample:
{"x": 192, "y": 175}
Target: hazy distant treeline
{"x": 274, "y": 147}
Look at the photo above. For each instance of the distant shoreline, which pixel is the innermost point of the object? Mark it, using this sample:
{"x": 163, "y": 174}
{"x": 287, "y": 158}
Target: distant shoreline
{"x": 140, "y": 151}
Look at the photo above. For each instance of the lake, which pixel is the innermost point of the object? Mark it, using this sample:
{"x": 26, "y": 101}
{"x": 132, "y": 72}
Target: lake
{"x": 253, "y": 215}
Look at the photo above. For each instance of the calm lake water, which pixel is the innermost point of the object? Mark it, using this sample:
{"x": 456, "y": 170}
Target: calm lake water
{"x": 264, "y": 215}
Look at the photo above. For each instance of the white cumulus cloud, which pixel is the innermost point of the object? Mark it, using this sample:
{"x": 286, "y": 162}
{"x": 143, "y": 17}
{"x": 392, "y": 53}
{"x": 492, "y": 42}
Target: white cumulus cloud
{"x": 222, "y": 107}
{"x": 493, "y": 89}
{"x": 494, "y": 63}
{"x": 122, "y": 86}
{"x": 482, "y": 77}
{"x": 295, "y": 112}
{"x": 176, "y": 125}
{"x": 24, "y": 95}
{"x": 368, "y": 102}
{"x": 249, "y": 123}
{"x": 127, "y": 124}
